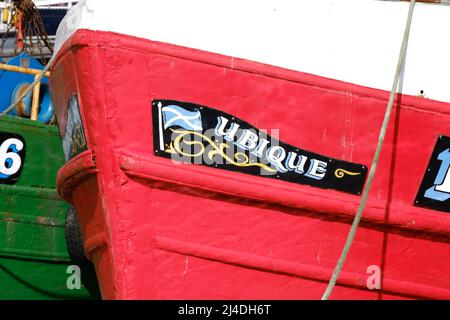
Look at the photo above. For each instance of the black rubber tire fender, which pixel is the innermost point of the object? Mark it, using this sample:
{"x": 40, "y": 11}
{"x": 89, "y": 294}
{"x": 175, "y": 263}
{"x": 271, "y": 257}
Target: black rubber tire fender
{"x": 74, "y": 237}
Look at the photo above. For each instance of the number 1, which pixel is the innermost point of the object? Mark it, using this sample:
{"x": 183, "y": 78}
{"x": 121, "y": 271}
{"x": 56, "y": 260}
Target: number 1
{"x": 441, "y": 189}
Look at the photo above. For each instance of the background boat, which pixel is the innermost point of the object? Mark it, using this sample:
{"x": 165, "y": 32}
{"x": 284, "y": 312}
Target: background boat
{"x": 36, "y": 260}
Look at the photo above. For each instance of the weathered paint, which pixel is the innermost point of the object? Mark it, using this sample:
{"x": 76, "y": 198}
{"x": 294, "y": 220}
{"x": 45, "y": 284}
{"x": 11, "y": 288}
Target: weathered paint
{"x": 33, "y": 251}
{"x": 163, "y": 230}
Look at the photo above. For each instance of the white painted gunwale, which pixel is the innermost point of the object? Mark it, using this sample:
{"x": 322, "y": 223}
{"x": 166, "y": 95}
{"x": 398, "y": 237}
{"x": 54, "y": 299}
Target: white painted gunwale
{"x": 355, "y": 41}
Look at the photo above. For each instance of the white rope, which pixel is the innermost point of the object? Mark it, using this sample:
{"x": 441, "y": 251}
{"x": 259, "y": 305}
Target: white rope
{"x": 373, "y": 167}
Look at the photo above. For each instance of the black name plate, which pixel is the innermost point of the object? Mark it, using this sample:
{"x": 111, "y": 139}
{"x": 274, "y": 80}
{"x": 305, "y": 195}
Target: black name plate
{"x": 193, "y": 133}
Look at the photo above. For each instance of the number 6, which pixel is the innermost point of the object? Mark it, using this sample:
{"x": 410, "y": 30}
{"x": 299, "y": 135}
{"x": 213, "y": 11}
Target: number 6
{"x": 10, "y": 162}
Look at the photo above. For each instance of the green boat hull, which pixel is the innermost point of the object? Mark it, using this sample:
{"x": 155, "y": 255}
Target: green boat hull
{"x": 34, "y": 259}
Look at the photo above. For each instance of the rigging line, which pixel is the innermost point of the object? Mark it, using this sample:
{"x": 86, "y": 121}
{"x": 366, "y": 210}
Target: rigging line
{"x": 373, "y": 167}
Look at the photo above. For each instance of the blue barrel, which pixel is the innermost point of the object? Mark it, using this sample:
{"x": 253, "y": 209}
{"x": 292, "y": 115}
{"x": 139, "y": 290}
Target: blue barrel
{"x": 12, "y": 84}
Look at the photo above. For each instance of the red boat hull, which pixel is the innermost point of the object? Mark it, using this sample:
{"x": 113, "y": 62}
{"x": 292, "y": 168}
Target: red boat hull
{"x": 156, "y": 229}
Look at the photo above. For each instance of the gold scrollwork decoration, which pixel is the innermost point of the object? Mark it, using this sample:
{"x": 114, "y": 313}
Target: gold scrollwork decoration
{"x": 340, "y": 173}
{"x": 240, "y": 158}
